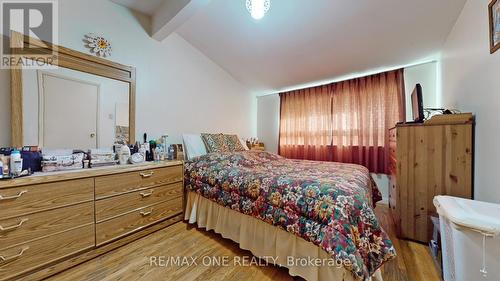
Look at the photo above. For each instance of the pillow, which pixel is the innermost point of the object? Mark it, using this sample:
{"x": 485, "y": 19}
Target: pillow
{"x": 233, "y": 143}
{"x": 244, "y": 144}
{"x": 215, "y": 142}
{"x": 193, "y": 146}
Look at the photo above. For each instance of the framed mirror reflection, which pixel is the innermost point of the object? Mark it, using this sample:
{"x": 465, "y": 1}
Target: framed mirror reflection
{"x": 84, "y": 103}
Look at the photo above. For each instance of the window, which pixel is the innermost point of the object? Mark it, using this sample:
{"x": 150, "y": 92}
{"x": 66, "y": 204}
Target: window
{"x": 344, "y": 122}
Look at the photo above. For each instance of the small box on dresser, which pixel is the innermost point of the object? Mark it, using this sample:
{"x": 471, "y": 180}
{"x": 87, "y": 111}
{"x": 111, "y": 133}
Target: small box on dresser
{"x": 258, "y": 146}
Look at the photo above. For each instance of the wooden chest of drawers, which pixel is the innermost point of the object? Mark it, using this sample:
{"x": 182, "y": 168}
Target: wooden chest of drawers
{"x": 53, "y": 218}
{"x": 427, "y": 160}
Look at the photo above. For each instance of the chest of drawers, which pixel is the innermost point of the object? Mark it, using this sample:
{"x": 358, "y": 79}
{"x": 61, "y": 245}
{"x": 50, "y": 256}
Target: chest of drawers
{"x": 427, "y": 160}
{"x": 53, "y": 221}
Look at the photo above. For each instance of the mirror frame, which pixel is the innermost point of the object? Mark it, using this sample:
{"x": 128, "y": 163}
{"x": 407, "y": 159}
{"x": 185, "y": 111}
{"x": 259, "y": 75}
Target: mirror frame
{"x": 67, "y": 58}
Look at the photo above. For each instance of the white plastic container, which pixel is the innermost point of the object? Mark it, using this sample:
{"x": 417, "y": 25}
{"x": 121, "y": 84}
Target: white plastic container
{"x": 16, "y": 163}
{"x": 470, "y": 239}
{"x": 124, "y": 155}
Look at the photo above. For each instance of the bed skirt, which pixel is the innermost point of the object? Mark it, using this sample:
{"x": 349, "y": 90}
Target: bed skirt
{"x": 264, "y": 240}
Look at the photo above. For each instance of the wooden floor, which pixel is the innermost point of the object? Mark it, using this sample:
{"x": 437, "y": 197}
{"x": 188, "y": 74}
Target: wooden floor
{"x": 132, "y": 262}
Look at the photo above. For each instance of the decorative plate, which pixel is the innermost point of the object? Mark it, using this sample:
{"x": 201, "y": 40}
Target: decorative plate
{"x": 98, "y": 45}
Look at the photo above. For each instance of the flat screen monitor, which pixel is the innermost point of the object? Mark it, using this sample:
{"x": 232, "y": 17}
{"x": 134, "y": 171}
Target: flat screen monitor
{"x": 417, "y": 104}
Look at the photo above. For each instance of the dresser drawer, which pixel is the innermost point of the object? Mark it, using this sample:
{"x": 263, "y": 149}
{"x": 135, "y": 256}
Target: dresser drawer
{"x": 15, "y": 202}
{"x": 123, "y": 225}
{"x": 25, "y": 228}
{"x": 106, "y": 186}
{"x": 121, "y": 204}
{"x": 32, "y": 255}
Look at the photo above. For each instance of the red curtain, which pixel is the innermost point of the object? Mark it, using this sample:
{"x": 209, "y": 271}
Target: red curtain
{"x": 346, "y": 122}
{"x": 306, "y": 124}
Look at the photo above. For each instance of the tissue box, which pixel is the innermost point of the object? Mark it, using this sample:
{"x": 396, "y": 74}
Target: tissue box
{"x": 102, "y": 157}
{"x": 52, "y": 163}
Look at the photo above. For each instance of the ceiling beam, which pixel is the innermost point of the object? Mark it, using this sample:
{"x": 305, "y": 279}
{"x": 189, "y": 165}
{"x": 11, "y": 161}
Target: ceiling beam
{"x": 172, "y": 14}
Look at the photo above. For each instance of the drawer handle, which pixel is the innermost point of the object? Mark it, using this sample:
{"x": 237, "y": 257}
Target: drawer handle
{"x": 4, "y": 259}
{"x": 146, "y": 194}
{"x": 147, "y": 175}
{"x": 12, "y": 227}
{"x": 13, "y": 196}
{"x": 145, "y": 214}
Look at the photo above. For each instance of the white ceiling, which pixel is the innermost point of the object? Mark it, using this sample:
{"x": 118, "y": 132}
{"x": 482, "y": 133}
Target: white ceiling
{"x": 147, "y": 7}
{"x": 302, "y": 41}
{"x": 307, "y": 41}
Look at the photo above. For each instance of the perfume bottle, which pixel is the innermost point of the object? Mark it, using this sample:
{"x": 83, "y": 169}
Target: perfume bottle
{"x": 171, "y": 152}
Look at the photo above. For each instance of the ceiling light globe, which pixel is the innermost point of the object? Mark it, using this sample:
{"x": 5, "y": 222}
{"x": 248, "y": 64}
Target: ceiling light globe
{"x": 258, "y": 8}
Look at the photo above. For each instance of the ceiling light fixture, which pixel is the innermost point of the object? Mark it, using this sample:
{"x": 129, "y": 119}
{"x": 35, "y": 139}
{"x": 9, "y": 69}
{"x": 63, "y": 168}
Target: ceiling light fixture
{"x": 258, "y": 8}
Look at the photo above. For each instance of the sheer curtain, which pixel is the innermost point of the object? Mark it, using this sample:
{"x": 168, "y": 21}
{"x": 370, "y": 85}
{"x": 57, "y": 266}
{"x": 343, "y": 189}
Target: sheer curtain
{"x": 306, "y": 124}
{"x": 343, "y": 122}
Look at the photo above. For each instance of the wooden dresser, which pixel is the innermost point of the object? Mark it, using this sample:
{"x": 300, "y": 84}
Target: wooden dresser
{"x": 435, "y": 158}
{"x": 50, "y": 222}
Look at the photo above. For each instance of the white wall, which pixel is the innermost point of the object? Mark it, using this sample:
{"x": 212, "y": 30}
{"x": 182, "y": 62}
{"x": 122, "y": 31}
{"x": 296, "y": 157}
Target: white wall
{"x": 382, "y": 182}
{"x": 268, "y": 121}
{"x": 426, "y": 76}
{"x": 471, "y": 83}
{"x": 178, "y": 88}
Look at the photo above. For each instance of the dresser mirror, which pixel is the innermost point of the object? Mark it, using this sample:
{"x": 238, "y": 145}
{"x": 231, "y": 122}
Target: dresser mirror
{"x": 65, "y": 108}
{"x": 83, "y": 102}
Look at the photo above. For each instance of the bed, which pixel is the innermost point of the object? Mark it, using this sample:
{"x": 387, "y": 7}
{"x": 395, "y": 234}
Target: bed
{"x": 314, "y": 218}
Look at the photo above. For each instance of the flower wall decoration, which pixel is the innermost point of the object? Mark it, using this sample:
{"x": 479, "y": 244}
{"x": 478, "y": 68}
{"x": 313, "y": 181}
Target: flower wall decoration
{"x": 98, "y": 45}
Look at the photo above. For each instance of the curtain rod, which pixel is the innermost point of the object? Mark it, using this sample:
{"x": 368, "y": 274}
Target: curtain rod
{"x": 344, "y": 78}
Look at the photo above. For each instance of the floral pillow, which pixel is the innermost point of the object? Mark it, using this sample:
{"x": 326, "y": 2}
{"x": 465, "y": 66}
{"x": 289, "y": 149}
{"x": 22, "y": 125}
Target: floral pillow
{"x": 233, "y": 143}
{"x": 215, "y": 142}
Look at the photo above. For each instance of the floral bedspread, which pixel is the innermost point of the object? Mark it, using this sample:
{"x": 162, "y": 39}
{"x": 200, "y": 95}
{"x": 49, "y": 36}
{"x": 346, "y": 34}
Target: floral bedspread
{"x": 328, "y": 204}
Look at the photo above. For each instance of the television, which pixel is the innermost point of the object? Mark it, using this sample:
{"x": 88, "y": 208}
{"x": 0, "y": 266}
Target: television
{"x": 417, "y": 104}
